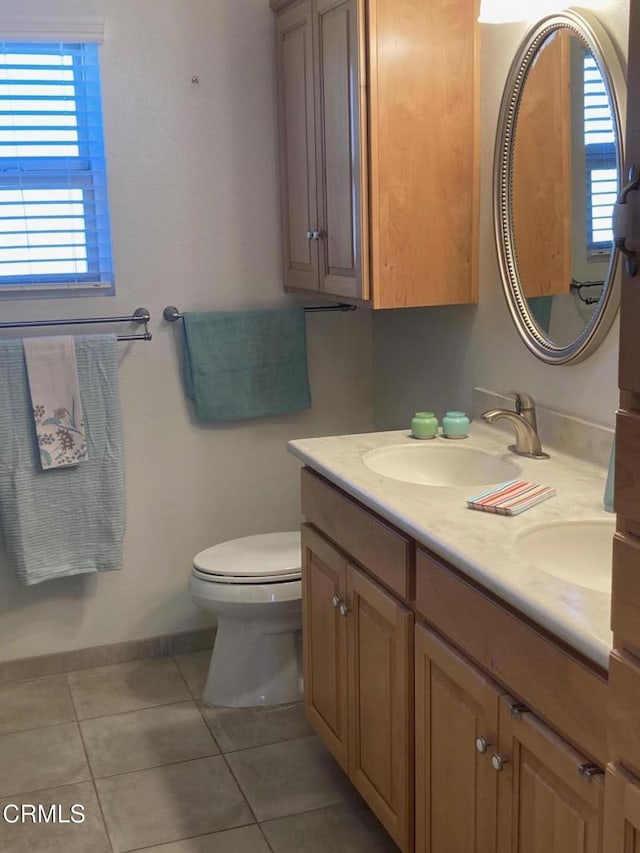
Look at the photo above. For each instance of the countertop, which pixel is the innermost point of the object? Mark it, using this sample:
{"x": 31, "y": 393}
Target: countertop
{"x": 484, "y": 546}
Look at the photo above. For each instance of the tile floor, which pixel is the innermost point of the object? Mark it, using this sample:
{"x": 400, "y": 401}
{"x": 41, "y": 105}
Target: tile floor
{"x": 157, "y": 770}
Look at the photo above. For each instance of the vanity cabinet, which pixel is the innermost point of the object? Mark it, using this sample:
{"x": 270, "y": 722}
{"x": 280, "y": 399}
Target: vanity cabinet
{"x": 489, "y": 724}
{"x": 379, "y": 142}
{"x": 358, "y": 672}
{"x": 490, "y": 776}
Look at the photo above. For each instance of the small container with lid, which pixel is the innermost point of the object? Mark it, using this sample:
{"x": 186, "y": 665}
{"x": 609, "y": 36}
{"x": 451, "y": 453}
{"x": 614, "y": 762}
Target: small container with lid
{"x": 424, "y": 425}
{"x": 455, "y": 425}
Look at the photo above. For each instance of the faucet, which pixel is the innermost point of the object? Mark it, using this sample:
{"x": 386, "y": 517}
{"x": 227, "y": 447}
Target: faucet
{"x": 524, "y": 422}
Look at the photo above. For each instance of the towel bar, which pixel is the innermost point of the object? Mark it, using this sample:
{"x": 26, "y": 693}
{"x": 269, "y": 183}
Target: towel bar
{"x": 140, "y": 316}
{"x": 171, "y": 313}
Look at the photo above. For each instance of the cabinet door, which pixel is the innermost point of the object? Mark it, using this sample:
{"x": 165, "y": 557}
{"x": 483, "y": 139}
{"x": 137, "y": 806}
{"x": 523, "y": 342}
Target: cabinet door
{"x": 622, "y": 812}
{"x": 545, "y": 805}
{"x": 298, "y": 199}
{"x": 340, "y": 145}
{"x": 380, "y": 644}
{"x": 456, "y": 734}
{"x": 324, "y": 639}
{"x": 424, "y": 138}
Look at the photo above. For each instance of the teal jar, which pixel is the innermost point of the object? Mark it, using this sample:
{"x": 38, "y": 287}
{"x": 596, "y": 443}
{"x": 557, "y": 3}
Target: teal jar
{"x": 424, "y": 425}
{"x": 455, "y": 425}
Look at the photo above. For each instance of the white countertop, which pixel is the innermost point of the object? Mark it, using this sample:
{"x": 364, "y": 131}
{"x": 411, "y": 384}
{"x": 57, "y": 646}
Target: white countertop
{"x": 483, "y": 545}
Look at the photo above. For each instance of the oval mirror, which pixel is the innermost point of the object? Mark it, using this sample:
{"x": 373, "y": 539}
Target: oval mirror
{"x": 557, "y": 169}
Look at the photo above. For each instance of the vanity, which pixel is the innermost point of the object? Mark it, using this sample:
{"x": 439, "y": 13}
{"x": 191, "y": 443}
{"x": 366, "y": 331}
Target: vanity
{"x": 461, "y": 688}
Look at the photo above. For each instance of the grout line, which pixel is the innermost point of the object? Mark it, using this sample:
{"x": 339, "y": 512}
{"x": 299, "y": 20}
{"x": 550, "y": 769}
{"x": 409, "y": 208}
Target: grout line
{"x": 93, "y": 781}
{"x": 188, "y": 838}
{"x": 187, "y": 685}
{"x": 266, "y": 840}
{"x": 38, "y": 728}
{"x": 188, "y": 701}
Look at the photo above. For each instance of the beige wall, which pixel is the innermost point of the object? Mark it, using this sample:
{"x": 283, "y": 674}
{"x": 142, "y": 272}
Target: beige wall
{"x": 192, "y": 179}
{"x": 431, "y": 358}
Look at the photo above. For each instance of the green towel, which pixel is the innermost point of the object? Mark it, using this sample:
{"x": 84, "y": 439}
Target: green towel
{"x": 246, "y": 364}
{"x": 540, "y": 308}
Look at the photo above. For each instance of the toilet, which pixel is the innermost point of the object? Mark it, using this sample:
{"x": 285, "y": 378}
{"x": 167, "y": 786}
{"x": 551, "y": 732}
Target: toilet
{"x": 253, "y": 586}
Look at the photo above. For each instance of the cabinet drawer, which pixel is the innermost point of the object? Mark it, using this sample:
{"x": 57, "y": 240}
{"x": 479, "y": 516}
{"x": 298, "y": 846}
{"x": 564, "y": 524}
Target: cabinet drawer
{"x": 386, "y": 553}
{"x": 625, "y": 600}
{"x": 624, "y": 708}
{"x": 627, "y": 474}
{"x": 567, "y": 693}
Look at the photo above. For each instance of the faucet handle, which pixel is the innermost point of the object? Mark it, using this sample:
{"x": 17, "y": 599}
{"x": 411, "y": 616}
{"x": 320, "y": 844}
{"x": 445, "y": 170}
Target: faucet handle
{"x": 523, "y": 401}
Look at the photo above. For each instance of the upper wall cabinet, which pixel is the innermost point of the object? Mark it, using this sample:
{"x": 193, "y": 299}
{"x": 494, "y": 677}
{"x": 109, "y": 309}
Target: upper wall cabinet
{"x": 379, "y": 149}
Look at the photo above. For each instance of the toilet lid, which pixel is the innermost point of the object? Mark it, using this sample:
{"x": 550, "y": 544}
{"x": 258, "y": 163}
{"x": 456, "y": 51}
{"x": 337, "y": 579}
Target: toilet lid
{"x": 265, "y": 558}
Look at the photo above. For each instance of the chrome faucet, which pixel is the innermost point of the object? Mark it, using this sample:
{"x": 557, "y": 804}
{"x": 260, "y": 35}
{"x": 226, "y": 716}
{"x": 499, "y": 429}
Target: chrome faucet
{"x": 524, "y": 422}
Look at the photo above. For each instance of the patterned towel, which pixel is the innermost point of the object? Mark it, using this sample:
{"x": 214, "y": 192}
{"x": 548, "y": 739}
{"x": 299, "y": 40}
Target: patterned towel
{"x": 70, "y": 520}
{"x": 55, "y": 399}
{"x": 511, "y": 498}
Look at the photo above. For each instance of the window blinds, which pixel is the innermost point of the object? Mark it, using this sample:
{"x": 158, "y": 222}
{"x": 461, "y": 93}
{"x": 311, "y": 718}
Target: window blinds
{"x": 600, "y": 155}
{"x": 54, "y": 218}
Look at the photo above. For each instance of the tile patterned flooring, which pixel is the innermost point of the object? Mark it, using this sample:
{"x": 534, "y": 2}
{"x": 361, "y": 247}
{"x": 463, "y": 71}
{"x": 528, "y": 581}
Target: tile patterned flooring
{"x": 157, "y": 770}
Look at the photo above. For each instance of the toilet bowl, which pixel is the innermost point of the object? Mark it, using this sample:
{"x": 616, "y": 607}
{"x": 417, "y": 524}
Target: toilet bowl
{"x": 253, "y": 585}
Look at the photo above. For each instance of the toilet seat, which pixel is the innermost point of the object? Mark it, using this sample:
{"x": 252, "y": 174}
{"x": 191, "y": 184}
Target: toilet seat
{"x": 268, "y": 558}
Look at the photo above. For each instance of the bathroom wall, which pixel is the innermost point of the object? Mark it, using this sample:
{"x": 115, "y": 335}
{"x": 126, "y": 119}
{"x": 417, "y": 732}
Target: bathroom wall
{"x": 431, "y": 358}
{"x": 192, "y": 181}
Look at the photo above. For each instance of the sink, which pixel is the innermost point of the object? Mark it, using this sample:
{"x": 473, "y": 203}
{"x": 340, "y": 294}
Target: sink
{"x": 430, "y": 464}
{"x": 575, "y": 551}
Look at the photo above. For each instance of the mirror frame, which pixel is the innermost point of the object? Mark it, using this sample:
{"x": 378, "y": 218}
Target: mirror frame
{"x": 604, "y": 52}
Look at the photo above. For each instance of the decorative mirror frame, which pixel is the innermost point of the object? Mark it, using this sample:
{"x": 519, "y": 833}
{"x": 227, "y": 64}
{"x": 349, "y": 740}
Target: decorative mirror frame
{"x": 603, "y": 50}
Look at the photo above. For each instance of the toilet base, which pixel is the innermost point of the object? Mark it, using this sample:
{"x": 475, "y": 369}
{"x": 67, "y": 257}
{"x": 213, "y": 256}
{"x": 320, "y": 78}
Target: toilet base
{"x": 256, "y": 661}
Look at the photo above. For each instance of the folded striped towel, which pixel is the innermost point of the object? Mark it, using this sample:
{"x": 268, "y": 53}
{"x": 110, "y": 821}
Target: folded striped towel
{"x": 511, "y": 498}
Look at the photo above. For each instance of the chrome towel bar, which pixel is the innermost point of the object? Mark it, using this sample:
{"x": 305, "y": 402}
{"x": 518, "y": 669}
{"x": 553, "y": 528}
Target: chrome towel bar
{"x": 171, "y": 313}
{"x": 140, "y": 316}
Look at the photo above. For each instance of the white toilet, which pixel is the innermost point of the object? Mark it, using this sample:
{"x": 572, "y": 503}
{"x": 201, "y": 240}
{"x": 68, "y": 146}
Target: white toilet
{"x": 253, "y": 585}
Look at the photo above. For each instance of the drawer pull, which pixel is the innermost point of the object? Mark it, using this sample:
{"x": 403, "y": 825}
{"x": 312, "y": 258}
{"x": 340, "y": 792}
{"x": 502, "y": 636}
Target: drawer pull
{"x": 588, "y": 771}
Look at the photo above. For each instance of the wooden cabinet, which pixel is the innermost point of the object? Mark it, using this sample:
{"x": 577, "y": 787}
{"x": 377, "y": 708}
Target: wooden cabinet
{"x": 325, "y": 642}
{"x": 379, "y": 142}
{"x": 622, "y": 812}
{"x": 358, "y": 670}
{"x": 319, "y": 67}
{"x": 456, "y": 734}
{"x": 550, "y": 797}
{"x": 490, "y": 776}
{"x": 487, "y": 773}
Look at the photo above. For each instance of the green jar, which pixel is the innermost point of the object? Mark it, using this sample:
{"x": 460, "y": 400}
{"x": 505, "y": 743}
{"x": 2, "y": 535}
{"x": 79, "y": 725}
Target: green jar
{"x": 424, "y": 425}
{"x": 455, "y": 425}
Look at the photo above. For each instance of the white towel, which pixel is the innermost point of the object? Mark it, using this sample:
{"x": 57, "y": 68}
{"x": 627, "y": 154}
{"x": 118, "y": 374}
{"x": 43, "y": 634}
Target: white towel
{"x": 55, "y": 399}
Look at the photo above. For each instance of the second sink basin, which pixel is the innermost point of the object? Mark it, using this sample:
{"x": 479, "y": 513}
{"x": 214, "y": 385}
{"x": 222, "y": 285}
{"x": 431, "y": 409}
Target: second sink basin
{"x": 430, "y": 464}
{"x": 575, "y": 551}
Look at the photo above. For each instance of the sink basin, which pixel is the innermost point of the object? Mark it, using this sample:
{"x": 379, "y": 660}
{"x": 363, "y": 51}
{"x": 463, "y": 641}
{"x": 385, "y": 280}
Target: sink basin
{"x": 430, "y": 464}
{"x": 578, "y": 552}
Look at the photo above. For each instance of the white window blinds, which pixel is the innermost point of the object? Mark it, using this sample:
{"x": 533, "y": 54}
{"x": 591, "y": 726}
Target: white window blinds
{"x": 600, "y": 155}
{"x": 54, "y": 216}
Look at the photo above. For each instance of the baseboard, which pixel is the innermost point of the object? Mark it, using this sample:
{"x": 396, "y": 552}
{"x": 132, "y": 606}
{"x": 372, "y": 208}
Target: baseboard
{"x": 24, "y": 669}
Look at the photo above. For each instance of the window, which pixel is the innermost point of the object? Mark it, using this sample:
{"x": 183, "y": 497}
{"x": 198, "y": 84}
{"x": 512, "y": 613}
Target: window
{"x": 54, "y": 217}
{"x": 600, "y": 157}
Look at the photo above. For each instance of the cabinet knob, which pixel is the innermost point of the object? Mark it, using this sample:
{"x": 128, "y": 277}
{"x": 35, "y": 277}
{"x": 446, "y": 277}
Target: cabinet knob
{"x": 336, "y": 601}
{"x": 498, "y": 762}
{"x": 482, "y": 745}
{"x": 313, "y": 235}
{"x": 344, "y": 610}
